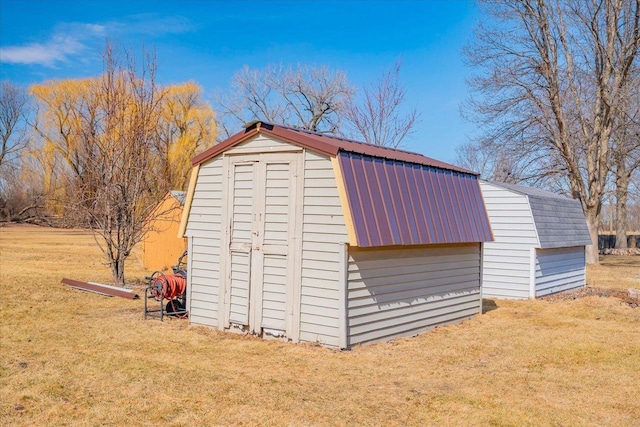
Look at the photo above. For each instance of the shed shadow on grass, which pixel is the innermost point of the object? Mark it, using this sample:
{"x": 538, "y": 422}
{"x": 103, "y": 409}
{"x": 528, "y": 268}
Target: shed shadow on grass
{"x": 488, "y": 305}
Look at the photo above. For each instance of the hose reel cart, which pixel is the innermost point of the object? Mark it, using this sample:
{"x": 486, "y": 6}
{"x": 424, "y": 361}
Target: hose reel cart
{"x": 169, "y": 290}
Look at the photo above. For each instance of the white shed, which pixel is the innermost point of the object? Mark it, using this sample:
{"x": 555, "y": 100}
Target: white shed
{"x": 539, "y": 246}
{"x": 319, "y": 239}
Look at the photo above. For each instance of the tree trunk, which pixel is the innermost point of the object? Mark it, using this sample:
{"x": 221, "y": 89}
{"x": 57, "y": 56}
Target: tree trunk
{"x": 117, "y": 271}
{"x": 622, "y": 193}
{"x": 592, "y": 216}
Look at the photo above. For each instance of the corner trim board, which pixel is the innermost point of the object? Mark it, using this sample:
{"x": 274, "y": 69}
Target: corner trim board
{"x": 344, "y": 201}
{"x": 187, "y": 203}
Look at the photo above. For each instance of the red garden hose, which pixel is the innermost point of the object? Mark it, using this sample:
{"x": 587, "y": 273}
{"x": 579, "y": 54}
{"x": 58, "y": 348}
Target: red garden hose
{"x": 168, "y": 286}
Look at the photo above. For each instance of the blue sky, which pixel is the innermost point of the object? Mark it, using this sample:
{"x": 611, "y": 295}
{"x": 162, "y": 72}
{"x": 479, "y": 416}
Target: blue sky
{"x": 208, "y": 41}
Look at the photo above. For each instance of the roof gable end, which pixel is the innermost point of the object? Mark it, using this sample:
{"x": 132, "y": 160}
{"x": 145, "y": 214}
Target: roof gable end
{"x": 559, "y": 220}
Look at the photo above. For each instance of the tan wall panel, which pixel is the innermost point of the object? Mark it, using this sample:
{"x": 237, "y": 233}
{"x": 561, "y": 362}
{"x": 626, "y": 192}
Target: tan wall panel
{"x": 161, "y": 246}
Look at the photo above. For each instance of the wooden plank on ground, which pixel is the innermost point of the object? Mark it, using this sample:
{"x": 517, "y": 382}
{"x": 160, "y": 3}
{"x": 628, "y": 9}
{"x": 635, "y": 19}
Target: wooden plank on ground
{"x": 100, "y": 288}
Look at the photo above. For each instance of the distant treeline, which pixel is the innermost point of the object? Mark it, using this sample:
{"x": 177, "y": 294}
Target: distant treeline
{"x": 608, "y": 241}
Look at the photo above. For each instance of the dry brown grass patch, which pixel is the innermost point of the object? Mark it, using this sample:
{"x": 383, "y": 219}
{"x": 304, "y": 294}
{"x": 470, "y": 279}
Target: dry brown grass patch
{"x": 615, "y": 272}
{"x": 75, "y": 358}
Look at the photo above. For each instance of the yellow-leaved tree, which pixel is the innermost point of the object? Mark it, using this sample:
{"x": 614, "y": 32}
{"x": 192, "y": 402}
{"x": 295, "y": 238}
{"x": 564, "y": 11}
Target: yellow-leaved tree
{"x": 112, "y": 146}
{"x": 66, "y": 109}
{"x": 68, "y": 113}
{"x": 186, "y": 127}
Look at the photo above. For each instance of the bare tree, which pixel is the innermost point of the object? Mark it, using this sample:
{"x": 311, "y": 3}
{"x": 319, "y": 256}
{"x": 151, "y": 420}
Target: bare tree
{"x": 106, "y": 159}
{"x": 310, "y": 98}
{"x": 22, "y": 198}
{"x": 625, "y": 153}
{"x": 18, "y": 201}
{"x": 491, "y": 165}
{"x": 379, "y": 119}
{"x": 633, "y": 208}
{"x": 122, "y": 160}
{"x": 14, "y": 108}
{"x": 251, "y": 97}
{"x": 549, "y": 86}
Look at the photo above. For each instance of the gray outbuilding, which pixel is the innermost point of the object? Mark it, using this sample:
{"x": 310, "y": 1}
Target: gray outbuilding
{"x": 539, "y": 242}
{"x": 312, "y": 238}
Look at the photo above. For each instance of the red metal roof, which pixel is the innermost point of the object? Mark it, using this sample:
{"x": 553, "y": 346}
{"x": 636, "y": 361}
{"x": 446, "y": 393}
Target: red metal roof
{"x": 329, "y": 145}
{"x": 399, "y": 203}
{"x": 394, "y": 197}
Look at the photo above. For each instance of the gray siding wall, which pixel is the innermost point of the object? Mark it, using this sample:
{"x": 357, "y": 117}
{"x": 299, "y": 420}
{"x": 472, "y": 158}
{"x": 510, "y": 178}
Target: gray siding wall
{"x": 204, "y": 230}
{"x": 390, "y": 292}
{"x": 396, "y": 292}
{"x": 559, "y": 270}
{"x": 323, "y": 234}
{"x": 507, "y": 261}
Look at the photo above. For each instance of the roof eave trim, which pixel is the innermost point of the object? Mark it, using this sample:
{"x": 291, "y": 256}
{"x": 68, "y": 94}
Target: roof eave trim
{"x": 253, "y": 129}
{"x": 302, "y": 140}
{"x": 224, "y": 145}
{"x": 299, "y": 138}
{"x": 572, "y": 244}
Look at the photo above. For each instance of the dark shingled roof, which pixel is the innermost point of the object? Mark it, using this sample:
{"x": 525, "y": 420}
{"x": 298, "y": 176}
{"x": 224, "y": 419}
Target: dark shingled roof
{"x": 180, "y": 196}
{"x": 559, "y": 220}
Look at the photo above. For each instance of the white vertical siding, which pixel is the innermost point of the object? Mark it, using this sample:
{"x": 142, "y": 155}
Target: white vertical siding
{"x": 559, "y": 270}
{"x": 204, "y": 230}
{"x": 276, "y": 250}
{"x": 276, "y": 214}
{"x": 394, "y": 292}
{"x": 323, "y": 233}
{"x": 239, "y": 288}
{"x": 506, "y": 261}
{"x": 242, "y": 209}
{"x": 274, "y": 292}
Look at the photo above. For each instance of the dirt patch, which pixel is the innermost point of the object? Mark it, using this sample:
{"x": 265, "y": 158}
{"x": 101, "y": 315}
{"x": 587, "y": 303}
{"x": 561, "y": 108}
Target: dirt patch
{"x": 592, "y": 291}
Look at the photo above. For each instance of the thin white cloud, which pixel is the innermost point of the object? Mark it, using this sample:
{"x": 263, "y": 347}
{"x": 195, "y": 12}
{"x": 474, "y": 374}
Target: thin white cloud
{"x": 96, "y": 28}
{"x": 58, "y": 48}
{"x": 73, "y": 40}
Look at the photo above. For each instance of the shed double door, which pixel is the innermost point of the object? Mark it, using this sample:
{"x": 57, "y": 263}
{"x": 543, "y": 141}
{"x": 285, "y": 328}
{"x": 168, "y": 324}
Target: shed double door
{"x": 262, "y": 191}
